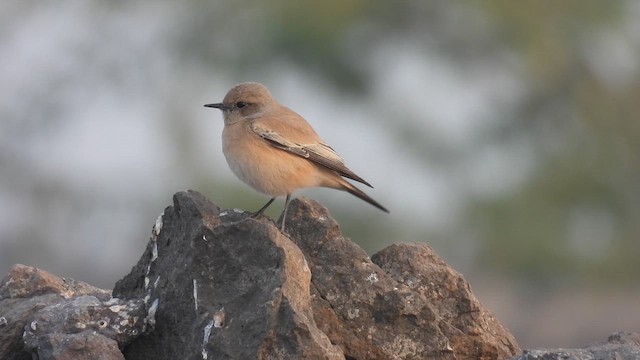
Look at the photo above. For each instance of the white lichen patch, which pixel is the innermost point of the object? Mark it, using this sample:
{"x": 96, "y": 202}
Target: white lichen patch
{"x": 372, "y": 278}
{"x": 403, "y": 347}
{"x": 195, "y": 294}
{"x": 353, "y": 313}
{"x": 117, "y": 308}
{"x": 112, "y": 300}
{"x": 331, "y": 296}
{"x": 154, "y": 252}
{"x": 235, "y": 211}
{"x": 370, "y": 331}
{"x": 157, "y": 227}
{"x": 147, "y": 280}
{"x": 151, "y": 314}
{"x": 205, "y": 340}
{"x": 411, "y": 282}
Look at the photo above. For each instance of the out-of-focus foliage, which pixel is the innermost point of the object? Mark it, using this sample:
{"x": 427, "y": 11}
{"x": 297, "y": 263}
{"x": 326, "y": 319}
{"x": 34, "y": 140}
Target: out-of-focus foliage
{"x": 576, "y": 217}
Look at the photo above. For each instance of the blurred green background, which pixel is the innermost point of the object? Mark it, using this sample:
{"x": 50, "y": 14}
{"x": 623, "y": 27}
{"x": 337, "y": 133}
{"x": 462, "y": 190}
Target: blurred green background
{"x": 505, "y": 134}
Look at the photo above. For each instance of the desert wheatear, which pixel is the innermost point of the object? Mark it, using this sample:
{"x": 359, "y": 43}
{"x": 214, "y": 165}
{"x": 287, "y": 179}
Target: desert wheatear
{"x": 275, "y": 151}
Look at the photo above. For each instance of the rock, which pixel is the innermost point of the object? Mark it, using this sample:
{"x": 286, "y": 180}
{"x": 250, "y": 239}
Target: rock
{"x": 14, "y": 314}
{"x": 47, "y": 317}
{"x": 24, "y": 291}
{"x": 224, "y": 286}
{"x": 229, "y": 286}
{"x": 404, "y": 303}
{"x": 472, "y": 331}
{"x": 215, "y": 284}
{"x": 84, "y": 326}
{"x": 26, "y": 281}
{"x": 619, "y": 346}
{"x": 82, "y": 346}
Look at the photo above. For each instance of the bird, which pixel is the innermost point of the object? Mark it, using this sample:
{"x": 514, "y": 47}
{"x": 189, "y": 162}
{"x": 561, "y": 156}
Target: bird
{"x": 276, "y": 151}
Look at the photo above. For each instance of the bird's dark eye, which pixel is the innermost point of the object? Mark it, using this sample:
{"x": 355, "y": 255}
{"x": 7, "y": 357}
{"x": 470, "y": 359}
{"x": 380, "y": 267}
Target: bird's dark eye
{"x": 241, "y": 104}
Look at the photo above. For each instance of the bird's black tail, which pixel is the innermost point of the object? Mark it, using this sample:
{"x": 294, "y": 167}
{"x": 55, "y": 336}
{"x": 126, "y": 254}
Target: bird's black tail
{"x": 347, "y": 186}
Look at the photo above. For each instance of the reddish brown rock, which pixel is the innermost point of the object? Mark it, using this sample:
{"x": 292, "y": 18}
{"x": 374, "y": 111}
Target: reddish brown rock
{"x": 27, "y": 281}
{"x": 472, "y": 331}
{"x": 405, "y": 304}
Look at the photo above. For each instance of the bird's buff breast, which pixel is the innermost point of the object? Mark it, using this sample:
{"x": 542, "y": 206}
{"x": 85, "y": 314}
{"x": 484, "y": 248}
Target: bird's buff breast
{"x": 269, "y": 170}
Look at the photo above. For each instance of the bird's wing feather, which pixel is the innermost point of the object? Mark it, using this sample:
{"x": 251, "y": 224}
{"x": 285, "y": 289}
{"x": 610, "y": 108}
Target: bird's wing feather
{"x": 279, "y": 141}
{"x": 319, "y": 153}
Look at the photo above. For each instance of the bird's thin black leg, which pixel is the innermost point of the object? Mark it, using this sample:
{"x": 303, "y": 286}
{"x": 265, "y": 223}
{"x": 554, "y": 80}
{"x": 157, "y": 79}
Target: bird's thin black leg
{"x": 262, "y": 209}
{"x": 284, "y": 212}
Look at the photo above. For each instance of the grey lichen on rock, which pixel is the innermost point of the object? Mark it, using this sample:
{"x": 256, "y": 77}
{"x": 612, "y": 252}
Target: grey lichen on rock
{"x": 118, "y": 321}
{"x": 48, "y": 317}
{"x": 619, "y": 346}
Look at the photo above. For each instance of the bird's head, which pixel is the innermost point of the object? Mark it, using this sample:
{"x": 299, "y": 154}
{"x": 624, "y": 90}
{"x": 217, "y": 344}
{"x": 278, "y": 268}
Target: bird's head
{"x": 244, "y": 102}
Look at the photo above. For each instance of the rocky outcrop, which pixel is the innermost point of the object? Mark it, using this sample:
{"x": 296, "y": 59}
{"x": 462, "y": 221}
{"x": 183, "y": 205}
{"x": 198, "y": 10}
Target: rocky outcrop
{"x": 619, "y": 346}
{"x": 43, "y": 316}
{"x": 216, "y": 284}
{"x": 225, "y": 287}
{"x": 229, "y": 286}
{"x": 403, "y": 303}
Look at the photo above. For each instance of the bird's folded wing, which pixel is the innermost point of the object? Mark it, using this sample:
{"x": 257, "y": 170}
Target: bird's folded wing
{"x": 319, "y": 153}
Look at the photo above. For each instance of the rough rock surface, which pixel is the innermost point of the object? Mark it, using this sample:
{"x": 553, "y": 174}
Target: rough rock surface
{"x": 84, "y": 328}
{"x": 225, "y": 286}
{"x": 81, "y": 346}
{"x": 471, "y": 331}
{"x": 228, "y": 286}
{"x": 619, "y": 346}
{"x": 28, "y": 296}
{"x": 26, "y": 281}
{"x": 218, "y": 284}
{"x": 404, "y": 303}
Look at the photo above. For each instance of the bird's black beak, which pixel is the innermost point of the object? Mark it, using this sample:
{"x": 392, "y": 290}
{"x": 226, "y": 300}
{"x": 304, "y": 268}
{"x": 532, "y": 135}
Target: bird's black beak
{"x": 220, "y": 106}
